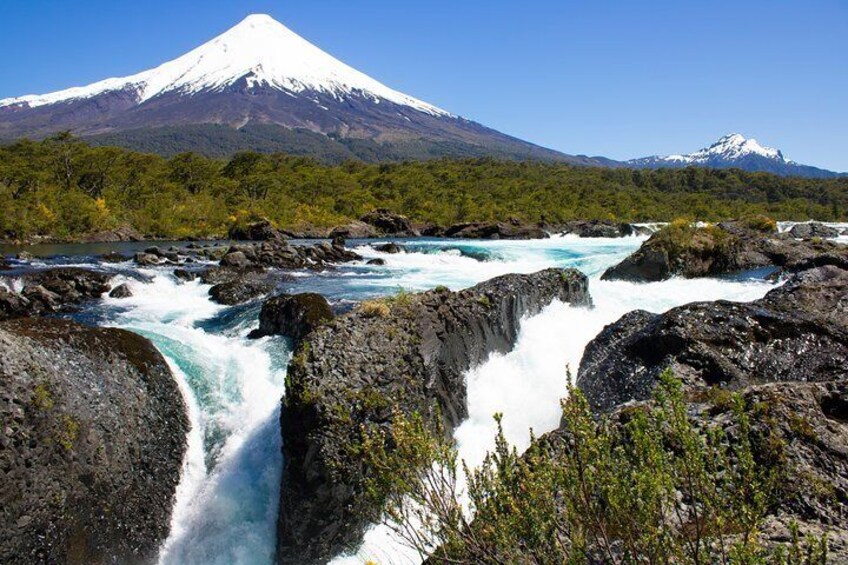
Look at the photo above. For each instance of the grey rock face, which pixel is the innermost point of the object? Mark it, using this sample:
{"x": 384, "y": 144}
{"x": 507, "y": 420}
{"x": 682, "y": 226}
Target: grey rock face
{"x": 598, "y": 228}
{"x": 53, "y": 290}
{"x": 121, "y": 291}
{"x": 388, "y": 223}
{"x": 262, "y": 230}
{"x": 513, "y": 229}
{"x": 813, "y": 229}
{"x": 408, "y": 353}
{"x": 798, "y": 332}
{"x": 94, "y": 430}
{"x": 722, "y": 249}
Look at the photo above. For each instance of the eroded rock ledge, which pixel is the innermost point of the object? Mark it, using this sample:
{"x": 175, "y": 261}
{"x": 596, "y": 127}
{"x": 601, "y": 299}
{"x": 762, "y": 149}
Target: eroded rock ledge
{"x": 407, "y": 353}
{"x": 92, "y": 444}
{"x": 797, "y": 332}
{"x": 689, "y": 251}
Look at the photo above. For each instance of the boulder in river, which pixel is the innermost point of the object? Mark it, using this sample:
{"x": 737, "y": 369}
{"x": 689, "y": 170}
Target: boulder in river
{"x": 514, "y": 229}
{"x": 597, "y": 228}
{"x": 121, "y": 291}
{"x": 94, "y": 434}
{"x": 293, "y": 315}
{"x": 408, "y": 353}
{"x": 262, "y": 230}
{"x": 809, "y": 230}
{"x": 391, "y": 248}
{"x": 689, "y": 251}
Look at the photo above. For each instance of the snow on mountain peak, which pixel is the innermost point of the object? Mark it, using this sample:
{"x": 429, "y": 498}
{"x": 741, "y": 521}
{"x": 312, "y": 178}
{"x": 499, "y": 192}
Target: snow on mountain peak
{"x": 732, "y": 146}
{"x": 261, "y": 51}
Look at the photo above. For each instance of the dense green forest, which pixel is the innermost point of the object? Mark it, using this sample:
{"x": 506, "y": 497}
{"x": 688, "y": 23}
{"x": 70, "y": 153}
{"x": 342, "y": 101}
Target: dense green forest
{"x": 65, "y": 188}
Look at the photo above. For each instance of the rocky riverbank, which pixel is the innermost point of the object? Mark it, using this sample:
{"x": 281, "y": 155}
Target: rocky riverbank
{"x": 685, "y": 250}
{"x": 92, "y": 446}
{"x": 405, "y": 353}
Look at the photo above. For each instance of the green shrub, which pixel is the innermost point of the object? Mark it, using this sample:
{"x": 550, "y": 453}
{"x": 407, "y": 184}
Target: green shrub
{"x": 649, "y": 486}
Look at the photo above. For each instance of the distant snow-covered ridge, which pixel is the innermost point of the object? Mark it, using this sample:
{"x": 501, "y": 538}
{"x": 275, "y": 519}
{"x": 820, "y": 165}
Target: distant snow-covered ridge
{"x": 734, "y": 151}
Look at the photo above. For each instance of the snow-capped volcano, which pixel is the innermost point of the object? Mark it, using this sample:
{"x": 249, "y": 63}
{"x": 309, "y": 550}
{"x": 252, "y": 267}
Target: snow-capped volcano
{"x": 733, "y": 151}
{"x": 260, "y": 51}
{"x": 260, "y": 86}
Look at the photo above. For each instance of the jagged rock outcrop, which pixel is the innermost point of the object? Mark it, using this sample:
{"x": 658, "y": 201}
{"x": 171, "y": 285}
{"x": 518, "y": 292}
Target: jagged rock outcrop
{"x": 688, "y": 251}
{"x": 391, "y": 248}
{"x": 263, "y": 230}
{"x": 354, "y": 230}
{"x": 53, "y": 290}
{"x": 409, "y": 353}
{"x": 598, "y": 228}
{"x": 797, "y": 332}
{"x": 280, "y": 254}
{"x": 94, "y": 433}
{"x": 799, "y": 431}
{"x": 121, "y": 291}
{"x": 514, "y": 229}
{"x": 813, "y": 229}
{"x": 294, "y": 316}
{"x": 388, "y": 223}
{"x": 123, "y": 233}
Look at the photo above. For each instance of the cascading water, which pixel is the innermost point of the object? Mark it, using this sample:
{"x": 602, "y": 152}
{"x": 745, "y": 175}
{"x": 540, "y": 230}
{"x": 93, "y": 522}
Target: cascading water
{"x": 227, "y": 501}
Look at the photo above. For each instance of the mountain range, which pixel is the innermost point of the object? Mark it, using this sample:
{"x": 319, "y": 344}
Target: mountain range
{"x": 736, "y": 151}
{"x": 262, "y": 87}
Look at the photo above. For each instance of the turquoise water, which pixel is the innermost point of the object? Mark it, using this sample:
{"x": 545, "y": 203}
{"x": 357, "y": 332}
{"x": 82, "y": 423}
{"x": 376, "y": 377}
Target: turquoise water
{"x": 227, "y": 500}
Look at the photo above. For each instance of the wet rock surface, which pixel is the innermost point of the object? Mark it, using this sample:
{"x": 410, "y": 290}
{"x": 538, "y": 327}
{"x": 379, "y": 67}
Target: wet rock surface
{"x": 514, "y": 229}
{"x": 409, "y": 353}
{"x": 121, "y": 291}
{"x": 94, "y": 430}
{"x": 798, "y": 332}
{"x": 293, "y": 316}
{"x": 598, "y": 228}
{"x": 716, "y": 250}
{"x": 53, "y": 290}
{"x": 813, "y": 229}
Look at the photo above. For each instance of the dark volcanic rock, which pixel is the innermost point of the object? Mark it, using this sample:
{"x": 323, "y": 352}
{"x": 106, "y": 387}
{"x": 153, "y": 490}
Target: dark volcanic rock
{"x": 389, "y": 223}
{"x": 185, "y": 275}
{"x": 113, "y": 257}
{"x": 92, "y": 446}
{"x": 293, "y": 316}
{"x": 408, "y": 353}
{"x": 241, "y": 290}
{"x": 121, "y": 291}
{"x": 809, "y": 423}
{"x": 715, "y": 250}
{"x": 813, "y": 229}
{"x": 391, "y": 248}
{"x": 598, "y": 228}
{"x": 123, "y": 233}
{"x": 13, "y": 305}
{"x": 262, "y": 230}
{"x": 146, "y": 259}
{"x": 280, "y": 254}
{"x": 354, "y": 230}
{"x": 377, "y": 262}
{"x": 798, "y": 332}
{"x": 58, "y": 289}
{"x": 500, "y": 230}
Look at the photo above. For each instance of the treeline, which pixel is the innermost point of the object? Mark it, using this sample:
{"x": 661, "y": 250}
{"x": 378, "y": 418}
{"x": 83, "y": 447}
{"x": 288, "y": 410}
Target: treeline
{"x": 64, "y": 188}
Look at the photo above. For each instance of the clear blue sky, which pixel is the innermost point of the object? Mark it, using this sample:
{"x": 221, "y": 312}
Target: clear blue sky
{"x": 616, "y": 78}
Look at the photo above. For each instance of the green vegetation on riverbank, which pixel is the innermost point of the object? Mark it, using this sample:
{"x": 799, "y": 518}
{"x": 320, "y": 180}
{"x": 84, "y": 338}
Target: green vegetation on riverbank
{"x": 63, "y": 188}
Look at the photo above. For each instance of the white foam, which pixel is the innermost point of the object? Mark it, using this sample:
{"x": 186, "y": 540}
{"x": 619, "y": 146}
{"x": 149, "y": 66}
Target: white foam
{"x": 227, "y": 513}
